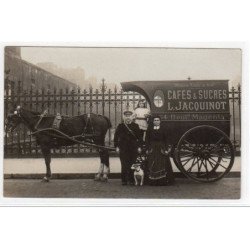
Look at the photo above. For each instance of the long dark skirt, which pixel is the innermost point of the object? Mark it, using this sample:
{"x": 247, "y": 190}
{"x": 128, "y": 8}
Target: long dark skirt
{"x": 160, "y": 171}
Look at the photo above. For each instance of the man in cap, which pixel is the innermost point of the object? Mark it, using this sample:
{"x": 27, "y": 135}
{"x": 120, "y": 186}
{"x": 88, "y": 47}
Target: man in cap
{"x": 127, "y": 141}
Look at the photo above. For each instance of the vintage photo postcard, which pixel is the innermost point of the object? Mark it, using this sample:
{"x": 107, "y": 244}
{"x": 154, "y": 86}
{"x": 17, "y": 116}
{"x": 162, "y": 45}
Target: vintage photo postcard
{"x": 122, "y": 123}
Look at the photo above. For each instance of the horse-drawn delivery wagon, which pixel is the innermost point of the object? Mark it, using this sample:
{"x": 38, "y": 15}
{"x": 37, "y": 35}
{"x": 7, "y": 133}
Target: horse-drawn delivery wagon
{"x": 196, "y": 116}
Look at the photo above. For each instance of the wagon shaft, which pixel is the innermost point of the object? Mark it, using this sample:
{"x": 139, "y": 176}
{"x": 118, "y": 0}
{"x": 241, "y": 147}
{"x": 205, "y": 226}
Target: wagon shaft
{"x": 55, "y": 133}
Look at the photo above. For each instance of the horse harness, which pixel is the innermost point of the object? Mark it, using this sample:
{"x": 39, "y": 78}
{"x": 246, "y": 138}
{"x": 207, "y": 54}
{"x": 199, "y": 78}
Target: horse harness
{"x": 88, "y": 122}
{"x": 40, "y": 119}
{"x": 58, "y": 119}
{"x": 61, "y": 134}
{"x": 131, "y": 132}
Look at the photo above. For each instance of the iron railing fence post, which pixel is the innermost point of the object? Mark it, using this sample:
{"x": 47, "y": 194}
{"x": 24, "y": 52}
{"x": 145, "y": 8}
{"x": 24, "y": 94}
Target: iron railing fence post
{"x": 54, "y": 105}
{"x": 239, "y": 103}
{"x": 121, "y": 102}
{"x": 115, "y": 103}
{"x": 6, "y": 111}
{"x": 78, "y": 110}
{"x": 66, "y": 110}
{"x": 109, "y": 114}
{"x": 233, "y": 96}
{"x": 61, "y": 108}
{"x": 90, "y": 106}
{"x": 31, "y": 108}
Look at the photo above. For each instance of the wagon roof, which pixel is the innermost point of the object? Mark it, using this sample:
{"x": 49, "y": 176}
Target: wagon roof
{"x": 151, "y": 85}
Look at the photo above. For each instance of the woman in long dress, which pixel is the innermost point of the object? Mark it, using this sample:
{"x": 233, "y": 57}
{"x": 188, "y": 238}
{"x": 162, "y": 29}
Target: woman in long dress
{"x": 160, "y": 171}
{"x": 141, "y": 114}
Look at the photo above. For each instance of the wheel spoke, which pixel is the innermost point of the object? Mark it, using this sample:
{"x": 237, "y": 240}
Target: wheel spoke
{"x": 189, "y": 154}
{"x": 187, "y": 161}
{"x": 188, "y": 142}
{"x": 187, "y": 148}
{"x": 207, "y": 166}
{"x": 214, "y": 146}
{"x": 192, "y": 165}
{"x": 215, "y": 155}
{"x": 213, "y": 168}
{"x": 226, "y": 157}
{"x": 202, "y": 146}
{"x": 207, "y": 172}
{"x": 217, "y": 163}
{"x": 217, "y": 150}
{"x": 204, "y": 153}
{"x": 199, "y": 168}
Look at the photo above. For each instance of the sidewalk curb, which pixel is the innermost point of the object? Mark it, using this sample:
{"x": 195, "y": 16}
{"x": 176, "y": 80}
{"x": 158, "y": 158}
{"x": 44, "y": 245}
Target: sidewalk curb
{"x": 90, "y": 176}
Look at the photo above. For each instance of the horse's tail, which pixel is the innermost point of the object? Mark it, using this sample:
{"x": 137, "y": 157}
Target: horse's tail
{"x": 108, "y": 121}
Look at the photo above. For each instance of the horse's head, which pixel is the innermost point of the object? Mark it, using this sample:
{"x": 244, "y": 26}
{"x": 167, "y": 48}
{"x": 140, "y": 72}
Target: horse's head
{"x": 13, "y": 120}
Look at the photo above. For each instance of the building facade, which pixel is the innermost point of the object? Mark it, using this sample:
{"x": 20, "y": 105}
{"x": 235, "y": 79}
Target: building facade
{"x": 29, "y": 75}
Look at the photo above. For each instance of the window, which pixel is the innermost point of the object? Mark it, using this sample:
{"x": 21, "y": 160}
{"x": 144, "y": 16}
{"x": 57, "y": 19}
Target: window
{"x": 158, "y": 98}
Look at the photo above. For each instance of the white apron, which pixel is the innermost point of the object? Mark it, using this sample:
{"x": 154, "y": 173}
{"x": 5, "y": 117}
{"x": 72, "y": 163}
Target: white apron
{"x": 141, "y": 115}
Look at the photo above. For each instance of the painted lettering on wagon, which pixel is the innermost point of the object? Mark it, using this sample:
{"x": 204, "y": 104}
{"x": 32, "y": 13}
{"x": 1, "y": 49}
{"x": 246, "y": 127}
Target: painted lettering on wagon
{"x": 196, "y": 106}
{"x": 201, "y": 94}
{"x": 196, "y": 100}
{"x": 193, "y": 117}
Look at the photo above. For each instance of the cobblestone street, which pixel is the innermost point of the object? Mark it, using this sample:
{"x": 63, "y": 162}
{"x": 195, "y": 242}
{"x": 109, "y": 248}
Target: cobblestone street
{"x": 228, "y": 188}
{"x": 73, "y": 178}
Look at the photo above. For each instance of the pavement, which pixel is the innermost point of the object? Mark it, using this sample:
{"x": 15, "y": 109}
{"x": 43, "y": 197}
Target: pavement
{"x": 86, "y": 165}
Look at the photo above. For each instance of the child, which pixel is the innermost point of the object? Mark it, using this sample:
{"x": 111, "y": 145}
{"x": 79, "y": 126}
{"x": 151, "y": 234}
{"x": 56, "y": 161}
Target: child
{"x": 141, "y": 114}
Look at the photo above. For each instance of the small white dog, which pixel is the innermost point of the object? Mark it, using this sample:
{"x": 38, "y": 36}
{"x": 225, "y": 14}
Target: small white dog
{"x": 138, "y": 174}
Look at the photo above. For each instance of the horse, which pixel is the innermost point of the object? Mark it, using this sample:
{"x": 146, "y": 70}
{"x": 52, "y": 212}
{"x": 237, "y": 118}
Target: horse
{"x": 93, "y": 125}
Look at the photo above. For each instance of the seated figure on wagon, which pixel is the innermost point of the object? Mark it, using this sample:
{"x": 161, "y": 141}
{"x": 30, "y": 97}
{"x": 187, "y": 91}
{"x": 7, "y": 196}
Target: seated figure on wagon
{"x": 141, "y": 114}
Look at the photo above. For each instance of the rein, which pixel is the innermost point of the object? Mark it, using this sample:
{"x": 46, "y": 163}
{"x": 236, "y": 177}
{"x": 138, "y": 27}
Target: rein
{"x": 41, "y": 117}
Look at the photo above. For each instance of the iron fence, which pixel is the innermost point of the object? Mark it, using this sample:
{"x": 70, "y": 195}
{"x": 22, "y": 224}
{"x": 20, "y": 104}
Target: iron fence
{"x": 70, "y": 102}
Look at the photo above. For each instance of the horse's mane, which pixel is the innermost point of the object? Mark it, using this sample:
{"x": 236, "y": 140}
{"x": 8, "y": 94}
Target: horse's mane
{"x": 32, "y": 111}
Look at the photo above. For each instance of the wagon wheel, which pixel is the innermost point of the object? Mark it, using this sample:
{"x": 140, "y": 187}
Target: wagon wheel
{"x": 175, "y": 159}
{"x": 205, "y": 154}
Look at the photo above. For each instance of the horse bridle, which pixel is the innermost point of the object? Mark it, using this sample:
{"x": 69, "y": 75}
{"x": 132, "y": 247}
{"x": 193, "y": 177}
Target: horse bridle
{"x": 6, "y": 122}
{"x": 18, "y": 113}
